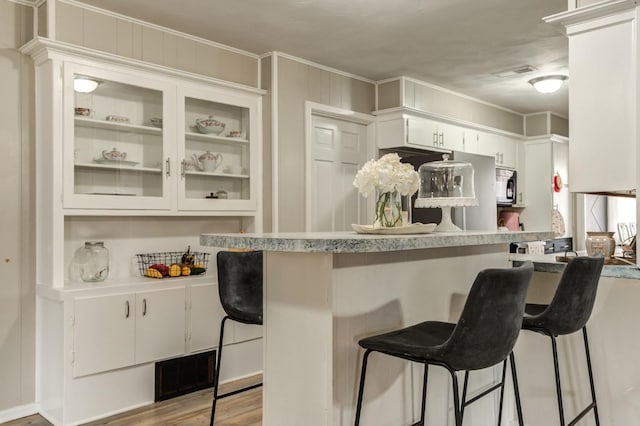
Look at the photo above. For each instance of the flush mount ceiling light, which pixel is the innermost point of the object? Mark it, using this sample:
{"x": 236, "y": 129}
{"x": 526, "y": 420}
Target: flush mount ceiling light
{"x": 548, "y": 83}
{"x": 84, "y": 84}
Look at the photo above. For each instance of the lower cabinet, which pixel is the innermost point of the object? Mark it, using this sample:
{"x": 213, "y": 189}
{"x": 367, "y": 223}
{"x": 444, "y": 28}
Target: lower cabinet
{"x": 98, "y": 343}
{"x": 117, "y": 331}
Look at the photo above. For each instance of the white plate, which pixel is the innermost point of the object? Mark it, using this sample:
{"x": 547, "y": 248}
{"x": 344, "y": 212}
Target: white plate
{"x": 414, "y": 228}
{"x": 116, "y": 162}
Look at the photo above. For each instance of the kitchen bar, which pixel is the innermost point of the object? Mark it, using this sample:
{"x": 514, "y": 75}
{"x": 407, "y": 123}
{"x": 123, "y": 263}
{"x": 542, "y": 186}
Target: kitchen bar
{"x": 324, "y": 291}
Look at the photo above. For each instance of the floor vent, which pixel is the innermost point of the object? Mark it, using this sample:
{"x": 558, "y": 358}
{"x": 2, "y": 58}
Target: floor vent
{"x": 179, "y": 376}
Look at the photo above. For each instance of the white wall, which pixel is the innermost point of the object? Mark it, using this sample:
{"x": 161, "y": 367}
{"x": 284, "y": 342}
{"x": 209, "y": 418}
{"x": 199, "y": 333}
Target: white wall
{"x": 17, "y": 292}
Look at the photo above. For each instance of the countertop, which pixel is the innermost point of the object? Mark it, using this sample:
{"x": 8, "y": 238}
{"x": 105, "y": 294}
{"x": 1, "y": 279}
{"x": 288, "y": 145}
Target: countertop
{"x": 351, "y": 242}
{"x": 548, "y": 263}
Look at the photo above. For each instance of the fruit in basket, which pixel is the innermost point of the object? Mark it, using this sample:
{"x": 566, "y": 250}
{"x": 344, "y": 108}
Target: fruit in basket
{"x": 153, "y": 273}
{"x": 197, "y": 270}
{"x": 175, "y": 270}
{"x": 188, "y": 258}
{"x": 186, "y": 270}
{"x": 160, "y": 267}
{"x": 198, "y": 265}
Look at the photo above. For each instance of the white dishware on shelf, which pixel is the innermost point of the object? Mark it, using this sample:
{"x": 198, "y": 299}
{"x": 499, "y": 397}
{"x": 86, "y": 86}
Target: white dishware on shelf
{"x": 209, "y": 125}
{"x": 207, "y": 162}
{"x": 114, "y": 155}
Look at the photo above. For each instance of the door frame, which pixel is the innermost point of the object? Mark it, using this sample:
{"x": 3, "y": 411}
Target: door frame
{"x": 314, "y": 108}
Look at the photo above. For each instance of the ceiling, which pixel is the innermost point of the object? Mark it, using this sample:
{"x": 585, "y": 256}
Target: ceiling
{"x": 456, "y": 44}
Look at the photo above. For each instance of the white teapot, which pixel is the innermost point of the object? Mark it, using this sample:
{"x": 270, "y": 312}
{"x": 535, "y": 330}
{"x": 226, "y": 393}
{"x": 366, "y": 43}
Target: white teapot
{"x": 207, "y": 162}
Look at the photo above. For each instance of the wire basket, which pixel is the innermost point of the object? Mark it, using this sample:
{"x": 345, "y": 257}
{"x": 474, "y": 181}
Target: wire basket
{"x": 168, "y": 258}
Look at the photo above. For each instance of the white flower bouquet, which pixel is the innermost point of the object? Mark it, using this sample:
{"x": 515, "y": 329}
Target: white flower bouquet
{"x": 390, "y": 179}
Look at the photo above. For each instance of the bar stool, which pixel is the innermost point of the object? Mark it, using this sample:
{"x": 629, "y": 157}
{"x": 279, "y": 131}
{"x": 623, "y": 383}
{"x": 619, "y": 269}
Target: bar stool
{"x": 240, "y": 290}
{"x": 483, "y": 337}
{"x": 567, "y": 313}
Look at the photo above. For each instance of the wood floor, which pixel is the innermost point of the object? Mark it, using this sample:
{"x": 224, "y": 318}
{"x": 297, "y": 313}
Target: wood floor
{"x": 243, "y": 409}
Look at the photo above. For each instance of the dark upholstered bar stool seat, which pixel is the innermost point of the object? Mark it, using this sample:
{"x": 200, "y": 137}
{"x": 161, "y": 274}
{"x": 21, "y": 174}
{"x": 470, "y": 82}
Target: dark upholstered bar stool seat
{"x": 240, "y": 291}
{"x": 483, "y": 337}
{"x": 567, "y": 313}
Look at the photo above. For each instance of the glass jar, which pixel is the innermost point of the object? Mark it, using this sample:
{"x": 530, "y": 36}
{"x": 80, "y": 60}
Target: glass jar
{"x": 91, "y": 262}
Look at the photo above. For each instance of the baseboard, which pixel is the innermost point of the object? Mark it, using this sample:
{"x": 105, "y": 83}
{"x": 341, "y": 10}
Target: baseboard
{"x": 18, "y": 412}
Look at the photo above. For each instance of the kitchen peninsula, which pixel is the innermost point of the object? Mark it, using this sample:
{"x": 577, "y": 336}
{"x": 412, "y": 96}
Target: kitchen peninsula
{"x": 325, "y": 291}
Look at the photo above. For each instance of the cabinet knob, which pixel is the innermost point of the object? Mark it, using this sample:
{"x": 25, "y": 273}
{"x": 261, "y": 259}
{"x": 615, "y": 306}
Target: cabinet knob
{"x": 168, "y": 166}
{"x": 144, "y": 307}
{"x": 126, "y": 309}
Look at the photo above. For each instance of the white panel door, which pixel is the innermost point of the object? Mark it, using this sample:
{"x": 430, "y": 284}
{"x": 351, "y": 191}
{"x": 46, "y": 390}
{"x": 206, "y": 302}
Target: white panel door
{"x": 337, "y": 151}
{"x": 160, "y": 324}
{"x": 103, "y": 333}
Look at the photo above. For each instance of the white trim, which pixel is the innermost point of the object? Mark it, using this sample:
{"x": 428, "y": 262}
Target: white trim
{"x": 51, "y": 19}
{"x": 558, "y": 115}
{"x": 159, "y": 28}
{"x": 451, "y": 92}
{"x": 590, "y": 12}
{"x": 324, "y": 67}
{"x": 314, "y": 108}
{"x": 548, "y": 122}
{"x": 19, "y": 411}
{"x": 27, "y": 3}
{"x": 275, "y": 172}
{"x": 39, "y": 45}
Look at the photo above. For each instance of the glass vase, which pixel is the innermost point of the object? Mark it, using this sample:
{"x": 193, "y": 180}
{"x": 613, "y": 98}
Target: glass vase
{"x": 388, "y": 210}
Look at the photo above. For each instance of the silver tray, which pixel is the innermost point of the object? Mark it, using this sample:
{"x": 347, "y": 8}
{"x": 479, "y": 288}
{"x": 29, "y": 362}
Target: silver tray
{"x": 414, "y": 228}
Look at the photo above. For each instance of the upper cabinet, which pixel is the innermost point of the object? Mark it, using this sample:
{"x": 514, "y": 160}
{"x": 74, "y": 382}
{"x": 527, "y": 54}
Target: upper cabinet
{"x": 418, "y": 132}
{"x": 145, "y": 142}
{"x": 118, "y": 142}
{"x": 404, "y": 130}
{"x": 602, "y": 100}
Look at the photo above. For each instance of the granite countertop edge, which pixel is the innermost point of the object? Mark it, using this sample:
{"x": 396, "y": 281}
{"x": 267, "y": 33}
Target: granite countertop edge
{"x": 351, "y": 242}
{"x": 548, "y": 263}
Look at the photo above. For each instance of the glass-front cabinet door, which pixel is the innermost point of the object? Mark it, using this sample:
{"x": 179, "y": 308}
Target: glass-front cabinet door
{"x": 117, "y": 140}
{"x": 217, "y": 135}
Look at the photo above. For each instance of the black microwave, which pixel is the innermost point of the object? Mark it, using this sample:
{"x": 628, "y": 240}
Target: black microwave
{"x": 506, "y": 183}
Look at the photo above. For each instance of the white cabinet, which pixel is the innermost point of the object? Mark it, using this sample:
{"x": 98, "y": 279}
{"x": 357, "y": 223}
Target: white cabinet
{"x": 544, "y": 158}
{"x": 603, "y": 44}
{"x": 160, "y": 324}
{"x": 113, "y": 156}
{"x": 502, "y": 147}
{"x": 206, "y": 313}
{"x": 103, "y": 333}
{"x": 397, "y": 130}
{"x": 115, "y": 331}
{"x": 133, "y": 144}
{"x": 233, "y": 151}
{"x": 418, "y": 132}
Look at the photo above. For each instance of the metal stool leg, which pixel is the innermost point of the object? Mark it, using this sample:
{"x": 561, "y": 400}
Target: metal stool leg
{"x": 363, "y": 372}
{"x": 504, "y": 376}
{"x": 516, "y": 390}
{"x": 424, "y": 395}
{"x": 217, "y": 372}
{"x": 464, "y": 394}
{"x": 593, "y": 388}
{"x": 557, "y": 371}
{"x": 456, "y": 398}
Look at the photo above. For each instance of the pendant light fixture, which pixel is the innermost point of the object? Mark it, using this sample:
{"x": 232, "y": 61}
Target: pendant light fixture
{"x": 84, "y": 84}
{"x": 548, "y": 83}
